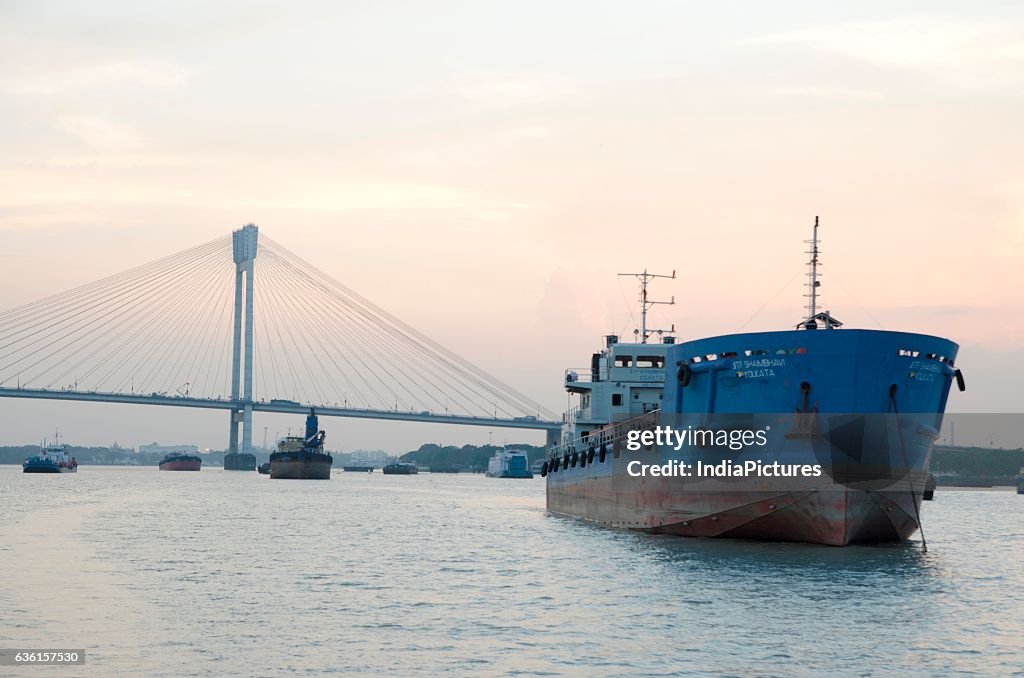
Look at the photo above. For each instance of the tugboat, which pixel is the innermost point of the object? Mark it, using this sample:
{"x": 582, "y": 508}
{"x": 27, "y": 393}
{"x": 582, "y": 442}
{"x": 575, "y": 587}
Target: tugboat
{"x": 302, "y": 458}
{"x": 509, "y": 464}
{"x": 51, "y": 459}
{"x": 401, "y": 468}
{"x": 831, "y": 430}
{"x": 180, "y": 461}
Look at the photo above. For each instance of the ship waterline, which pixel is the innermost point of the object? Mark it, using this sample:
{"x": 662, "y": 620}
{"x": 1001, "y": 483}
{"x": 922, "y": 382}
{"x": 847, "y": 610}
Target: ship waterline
{"x": 300, "y": 466}
{"x": 822, "y": 512}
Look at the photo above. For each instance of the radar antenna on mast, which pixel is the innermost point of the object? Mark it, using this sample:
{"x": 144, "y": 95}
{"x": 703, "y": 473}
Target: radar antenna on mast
{"x": 813, "y": 316}
{"x": 645, "y": 279}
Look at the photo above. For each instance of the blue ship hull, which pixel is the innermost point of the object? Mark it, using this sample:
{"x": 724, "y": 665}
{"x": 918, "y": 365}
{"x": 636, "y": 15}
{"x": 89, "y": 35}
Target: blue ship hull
{"x": 44, "y": 466}
{"x": 865, "y": 406}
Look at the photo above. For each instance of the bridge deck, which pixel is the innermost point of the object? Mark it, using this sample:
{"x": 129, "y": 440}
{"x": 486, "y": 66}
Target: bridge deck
{"x": 278, "y": 406}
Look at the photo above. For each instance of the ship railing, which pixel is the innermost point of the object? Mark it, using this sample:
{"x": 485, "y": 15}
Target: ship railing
{"x": 578, "y": 375}
{"x": 613, "y": 436}
{"x": 583, "y": 375}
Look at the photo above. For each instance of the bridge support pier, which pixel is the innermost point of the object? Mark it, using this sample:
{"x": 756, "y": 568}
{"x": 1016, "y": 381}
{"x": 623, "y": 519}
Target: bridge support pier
{"x": 244, "y": 246}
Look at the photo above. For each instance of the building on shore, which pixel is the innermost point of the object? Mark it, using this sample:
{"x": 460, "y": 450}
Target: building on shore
{"x": 154, "y": 448}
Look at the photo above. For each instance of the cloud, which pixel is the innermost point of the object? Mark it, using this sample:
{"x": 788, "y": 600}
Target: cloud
{"x": 825, "y": 92}
{"x": 493, "y": 91}
{"x": 49, "y": 79}
{"x": 98, "y": 132}
{"x": 968, "y": 53}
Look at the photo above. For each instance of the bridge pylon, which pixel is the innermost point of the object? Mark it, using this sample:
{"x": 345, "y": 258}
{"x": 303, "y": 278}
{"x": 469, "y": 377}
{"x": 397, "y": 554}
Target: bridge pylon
{"x": 244, "y": 248}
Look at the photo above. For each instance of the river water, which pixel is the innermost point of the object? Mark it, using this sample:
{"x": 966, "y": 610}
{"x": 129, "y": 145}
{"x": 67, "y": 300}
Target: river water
{"x": 233, "y": 574}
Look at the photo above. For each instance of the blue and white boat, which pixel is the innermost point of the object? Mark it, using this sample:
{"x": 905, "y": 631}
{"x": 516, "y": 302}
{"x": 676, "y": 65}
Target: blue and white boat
{"x": 509, "y": 464}
{"x": 52, "y": 458}
{"x": 860, "y": 409}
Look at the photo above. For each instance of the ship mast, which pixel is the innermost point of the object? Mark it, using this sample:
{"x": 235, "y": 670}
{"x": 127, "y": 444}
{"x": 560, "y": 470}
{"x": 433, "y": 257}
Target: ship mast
{"x": 813, "y": 315}
{"x": 812, "y": 283}
{"x": 645, "y": 279}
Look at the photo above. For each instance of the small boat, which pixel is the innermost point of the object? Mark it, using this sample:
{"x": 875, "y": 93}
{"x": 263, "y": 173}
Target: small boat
{"x": 302, "y": 457}
{"x": 180, "y": 461}
{"x": 929, "y": 488}
{"x": 401, "y": 468}
{"x": 264, "y": 468}
{"x": 509, "y": 464}
{"x": 51, "y": 459}
{"x": 1020, "y": 482}
{"x": 357, "y": 469}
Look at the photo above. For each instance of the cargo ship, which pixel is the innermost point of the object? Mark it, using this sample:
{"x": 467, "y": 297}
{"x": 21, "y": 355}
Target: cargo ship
{"x": 52, "y": 458}
{"x": 509, "y": 464}
{"x": 400, "y": 468}
{"x": 180, "y": 461}
{"x": 302, "y": 457}
{"x": 834, "y": 430}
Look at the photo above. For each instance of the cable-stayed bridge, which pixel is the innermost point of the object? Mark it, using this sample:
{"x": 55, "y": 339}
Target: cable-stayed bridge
{"x": 244, "y": 325}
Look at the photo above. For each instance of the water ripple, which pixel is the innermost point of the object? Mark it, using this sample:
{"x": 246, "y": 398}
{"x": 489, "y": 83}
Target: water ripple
{"x": 232, "y": 574}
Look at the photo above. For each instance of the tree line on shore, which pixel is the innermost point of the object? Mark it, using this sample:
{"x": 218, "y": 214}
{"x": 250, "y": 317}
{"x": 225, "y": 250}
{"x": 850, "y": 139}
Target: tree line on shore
{"x": 951, "y": 465}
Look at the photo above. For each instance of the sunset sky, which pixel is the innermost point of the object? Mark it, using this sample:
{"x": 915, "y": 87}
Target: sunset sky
{"x": 484, "y": 169}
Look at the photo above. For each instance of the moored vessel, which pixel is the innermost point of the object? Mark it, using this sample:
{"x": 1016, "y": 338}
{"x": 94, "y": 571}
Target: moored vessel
{"x": 181, "y": 461}
{"x": 509, "y": 464}
{"x": 53, "y": 458}
{"x": 400, "y": 468}
{"x": 929, "y": 487}
{"x": 833, "y": 430}
{"x": 302, "y": 457}
{"x": 239, "y": 461}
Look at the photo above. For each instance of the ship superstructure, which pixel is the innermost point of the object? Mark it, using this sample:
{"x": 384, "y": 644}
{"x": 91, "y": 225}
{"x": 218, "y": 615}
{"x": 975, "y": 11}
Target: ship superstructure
{"x": 509, "y": 464}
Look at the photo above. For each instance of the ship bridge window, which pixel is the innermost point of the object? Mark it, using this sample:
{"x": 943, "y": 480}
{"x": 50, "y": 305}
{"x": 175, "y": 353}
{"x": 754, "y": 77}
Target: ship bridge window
{"x": 623, "y": 361}
{"x": 647, "y": 361}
